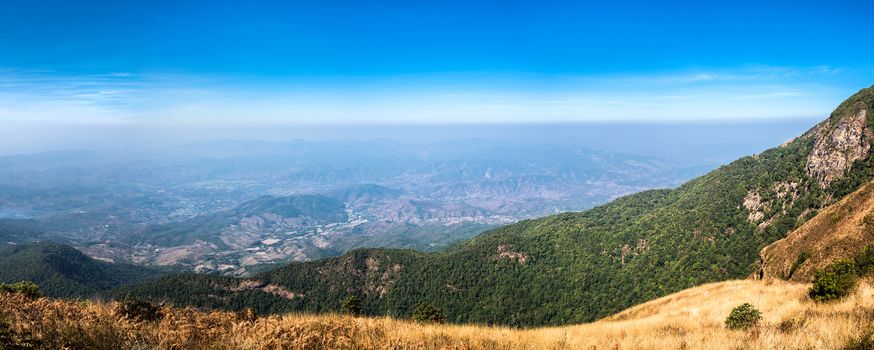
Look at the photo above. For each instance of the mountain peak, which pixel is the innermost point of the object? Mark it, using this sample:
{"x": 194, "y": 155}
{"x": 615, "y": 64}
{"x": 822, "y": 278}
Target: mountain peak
{"x": 842, "y": 139}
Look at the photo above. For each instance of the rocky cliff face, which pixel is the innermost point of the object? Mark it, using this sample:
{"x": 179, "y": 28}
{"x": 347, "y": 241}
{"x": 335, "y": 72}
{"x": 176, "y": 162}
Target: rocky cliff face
{"x": 834, "y": 152}
{"x": 846, "y": 224}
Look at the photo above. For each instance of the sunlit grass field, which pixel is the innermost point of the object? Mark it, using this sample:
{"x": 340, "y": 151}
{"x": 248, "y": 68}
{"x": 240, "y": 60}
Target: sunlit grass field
{"x": 691, "y": 319}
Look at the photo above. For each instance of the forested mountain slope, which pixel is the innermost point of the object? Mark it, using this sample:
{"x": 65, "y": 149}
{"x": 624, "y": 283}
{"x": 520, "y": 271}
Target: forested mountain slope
{"x": 578, "y": 267}
{"x": 63, "y": 271}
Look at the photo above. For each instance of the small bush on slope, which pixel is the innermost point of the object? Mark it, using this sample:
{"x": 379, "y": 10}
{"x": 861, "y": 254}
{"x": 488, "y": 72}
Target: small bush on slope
{"x": 140, "y": 310}
{"x": 838, "y": 278}
{"x": 743, "y": 317}
{"x": 834, "y": 281}
{"x": 428, "y": 313}
{"x": 351, "y": 305}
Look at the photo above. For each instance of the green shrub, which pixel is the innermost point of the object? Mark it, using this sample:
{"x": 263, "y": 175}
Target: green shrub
{"x": 428, "y": 313}
{"x": 834, "y": 281}
{"x": 27, "y": 288}
{"x": 351, "y": 305}
{"x": 743, "y": 317}
{"x": 140, "y": 310}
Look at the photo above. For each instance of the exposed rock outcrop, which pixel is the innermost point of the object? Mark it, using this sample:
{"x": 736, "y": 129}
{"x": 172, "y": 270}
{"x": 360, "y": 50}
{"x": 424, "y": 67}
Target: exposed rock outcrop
{"x": 249, "y": 285}
{"x": 627, "y": 249}
{"x": 834, "y": 152}
{"x": 505, "y": 251}
{"x": 755, "y": 207}
{"x": 368, "y": 275}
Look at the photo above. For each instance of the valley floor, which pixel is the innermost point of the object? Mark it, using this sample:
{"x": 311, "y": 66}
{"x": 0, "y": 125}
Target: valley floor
{"x": 691, "y": 319}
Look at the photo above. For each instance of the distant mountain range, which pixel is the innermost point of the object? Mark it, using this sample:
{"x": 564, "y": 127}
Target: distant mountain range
{"x": 186, "y": 206}
{"x": 577, "y": 267}
{"x": 570, "y": 267}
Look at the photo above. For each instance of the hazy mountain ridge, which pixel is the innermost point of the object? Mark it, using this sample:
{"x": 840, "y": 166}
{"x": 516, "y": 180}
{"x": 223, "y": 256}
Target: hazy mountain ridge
{"x": 421, "y": 196}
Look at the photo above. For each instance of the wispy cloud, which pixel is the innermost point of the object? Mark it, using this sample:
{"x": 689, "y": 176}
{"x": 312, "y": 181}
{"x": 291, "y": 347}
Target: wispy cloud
{"x": 156, "y": 99}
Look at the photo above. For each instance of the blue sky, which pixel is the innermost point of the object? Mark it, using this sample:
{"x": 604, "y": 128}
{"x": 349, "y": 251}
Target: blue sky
{"x": 189, "y": 63}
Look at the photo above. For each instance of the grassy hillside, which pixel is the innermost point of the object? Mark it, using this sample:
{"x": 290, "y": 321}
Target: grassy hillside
{"x": 840, "y": 231}
{"x": 63, "y": 271}
{"x": 578, "y": 267}
{"x": 691, "y": 319}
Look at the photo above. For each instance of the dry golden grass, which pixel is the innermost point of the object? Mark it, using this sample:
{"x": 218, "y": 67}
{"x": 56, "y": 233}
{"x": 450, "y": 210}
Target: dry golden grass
{"x": 691, "y": 319}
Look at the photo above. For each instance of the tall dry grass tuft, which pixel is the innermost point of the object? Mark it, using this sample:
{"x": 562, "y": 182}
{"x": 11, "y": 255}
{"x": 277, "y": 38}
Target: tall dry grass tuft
{"x": 691, "y": 319}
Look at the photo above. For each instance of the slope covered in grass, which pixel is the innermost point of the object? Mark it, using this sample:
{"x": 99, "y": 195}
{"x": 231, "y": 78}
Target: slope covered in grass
{"x": 691, "y": 319}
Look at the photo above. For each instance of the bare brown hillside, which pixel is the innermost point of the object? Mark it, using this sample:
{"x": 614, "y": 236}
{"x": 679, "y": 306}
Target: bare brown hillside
{"x": 838, "y": 231}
